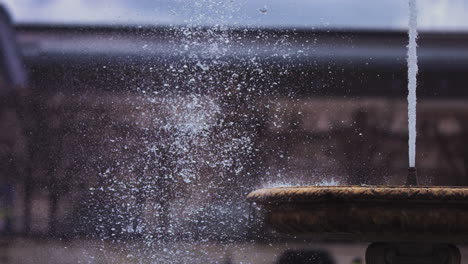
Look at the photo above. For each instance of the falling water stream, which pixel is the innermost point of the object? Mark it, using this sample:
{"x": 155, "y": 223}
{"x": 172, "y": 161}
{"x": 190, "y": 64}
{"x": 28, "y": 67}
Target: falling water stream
{"x": 412, "y": 73}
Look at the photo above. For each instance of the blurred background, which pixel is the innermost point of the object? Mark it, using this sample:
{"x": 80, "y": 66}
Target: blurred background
{"x": 131, "y": 132}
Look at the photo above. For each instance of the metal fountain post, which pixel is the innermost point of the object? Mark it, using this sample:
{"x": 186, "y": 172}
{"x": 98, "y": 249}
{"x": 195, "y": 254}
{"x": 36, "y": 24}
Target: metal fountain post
{"x": 412, "y": 178}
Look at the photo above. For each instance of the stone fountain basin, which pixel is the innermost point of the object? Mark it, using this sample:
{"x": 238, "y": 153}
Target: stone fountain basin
{"x": 367, "y": 213}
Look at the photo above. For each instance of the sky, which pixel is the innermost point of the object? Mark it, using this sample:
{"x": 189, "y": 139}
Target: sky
{"x": 368, "y": 14}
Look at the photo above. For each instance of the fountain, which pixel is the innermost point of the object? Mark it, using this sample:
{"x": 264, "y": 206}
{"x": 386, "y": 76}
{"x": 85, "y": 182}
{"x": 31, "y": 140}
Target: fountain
{"x": 405, "y": 224}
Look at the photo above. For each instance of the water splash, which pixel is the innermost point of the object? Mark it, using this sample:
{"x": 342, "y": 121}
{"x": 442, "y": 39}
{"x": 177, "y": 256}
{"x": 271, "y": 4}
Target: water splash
{"x": 412, "y": 81}
{"x": 323, "y": 182}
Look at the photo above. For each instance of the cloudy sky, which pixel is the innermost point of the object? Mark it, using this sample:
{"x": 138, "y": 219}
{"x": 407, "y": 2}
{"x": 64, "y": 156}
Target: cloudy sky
{"x": 388, "y": 14}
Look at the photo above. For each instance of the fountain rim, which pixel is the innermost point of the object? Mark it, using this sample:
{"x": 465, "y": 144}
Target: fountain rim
{"x": 354, "y": 193}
